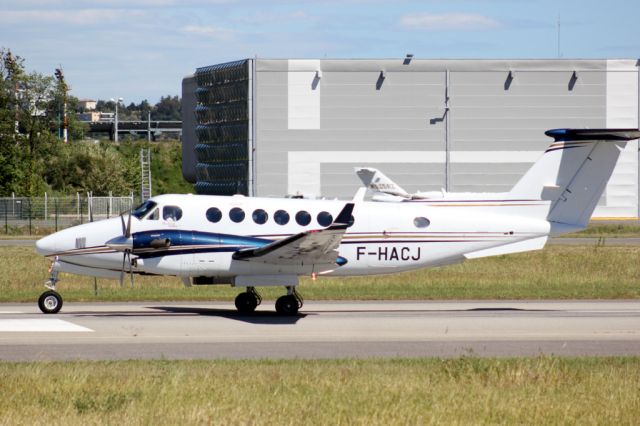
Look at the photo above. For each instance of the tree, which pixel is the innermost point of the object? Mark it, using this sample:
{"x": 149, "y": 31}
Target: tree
{"x": 81, "y": 167}
{"x": 31, "y": 112}
{"x": 77, "y": 128}
{"x": 168, "y": 108}
{"x": 10, "y": 70}
{"x": 145, "y": 108}
{"x": 35, "y": 109}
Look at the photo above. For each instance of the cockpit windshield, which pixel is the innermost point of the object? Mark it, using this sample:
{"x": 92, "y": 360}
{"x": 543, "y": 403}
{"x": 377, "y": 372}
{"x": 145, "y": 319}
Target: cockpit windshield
{"x": 144, "y": 208}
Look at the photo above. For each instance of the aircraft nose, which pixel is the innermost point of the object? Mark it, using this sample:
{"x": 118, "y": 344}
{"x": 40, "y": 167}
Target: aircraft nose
{"x": 46, "y": 245}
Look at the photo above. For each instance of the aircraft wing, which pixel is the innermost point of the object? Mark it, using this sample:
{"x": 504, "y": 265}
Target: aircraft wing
{"x": 309, "y": 247}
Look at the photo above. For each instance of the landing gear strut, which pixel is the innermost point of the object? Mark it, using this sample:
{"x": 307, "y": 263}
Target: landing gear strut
{"x": 50, "y": 302}
{"x": 290, "y": 303}
{"x": 248, "y": 301}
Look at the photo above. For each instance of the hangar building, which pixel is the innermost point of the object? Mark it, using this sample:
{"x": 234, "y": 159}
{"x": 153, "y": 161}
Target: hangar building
{"x": 272, "y": 127}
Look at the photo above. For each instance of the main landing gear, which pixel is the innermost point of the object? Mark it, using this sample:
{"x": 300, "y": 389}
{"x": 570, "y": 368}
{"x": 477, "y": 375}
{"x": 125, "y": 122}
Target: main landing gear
{"x": 248, "y": 301}
{"x": 50, "y": 302}
{"x": 289, "y": 304}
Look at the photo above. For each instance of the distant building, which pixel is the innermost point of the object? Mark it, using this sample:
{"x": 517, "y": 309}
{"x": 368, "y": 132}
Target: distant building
{"x": 87, "y": 104}
{"x": 91, "y": 116}
{"x": 106, "y": 116}
{"x": 270, "y": 127}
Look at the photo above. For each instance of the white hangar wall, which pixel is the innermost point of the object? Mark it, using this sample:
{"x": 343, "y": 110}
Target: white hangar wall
{"x": 462, "y": 125}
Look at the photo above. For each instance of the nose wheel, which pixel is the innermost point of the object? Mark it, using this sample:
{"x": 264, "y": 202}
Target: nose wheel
{"x": 50, "y": 302}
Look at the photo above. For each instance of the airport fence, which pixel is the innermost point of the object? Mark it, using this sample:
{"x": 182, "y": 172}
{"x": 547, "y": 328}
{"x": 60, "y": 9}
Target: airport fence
{"x": 42, "y": 215}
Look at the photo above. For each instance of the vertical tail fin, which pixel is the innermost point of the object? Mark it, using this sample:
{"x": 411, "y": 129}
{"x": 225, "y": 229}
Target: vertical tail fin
{"x": 573, "y": 172}
{"x": 376, "y": 180}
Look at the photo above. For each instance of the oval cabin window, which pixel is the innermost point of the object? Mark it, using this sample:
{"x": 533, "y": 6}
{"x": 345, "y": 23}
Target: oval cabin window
{"x": 303, "y": 218}
{"x": 421, "y": 222}
{"x": 260, "y": 216}
{"x": 214, "y": 215}
{"x": 325, "y": 218}
{"x": 281, "y": 217}
{"x": 236, "y": 214}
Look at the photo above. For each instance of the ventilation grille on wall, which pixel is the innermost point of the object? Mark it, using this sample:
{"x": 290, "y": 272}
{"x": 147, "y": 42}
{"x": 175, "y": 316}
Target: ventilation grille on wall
{"x": 222, "y": 116}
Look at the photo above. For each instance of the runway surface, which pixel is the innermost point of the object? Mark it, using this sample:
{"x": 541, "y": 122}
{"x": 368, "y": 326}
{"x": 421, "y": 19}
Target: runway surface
{"x": 168, "y": 330}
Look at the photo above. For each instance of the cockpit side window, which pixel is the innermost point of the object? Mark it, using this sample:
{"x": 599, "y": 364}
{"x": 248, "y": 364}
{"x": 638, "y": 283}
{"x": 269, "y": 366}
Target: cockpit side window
{"x": 143, "y": 209}
{"x": 171, "y": 213}
{"x": 155, "y": 215}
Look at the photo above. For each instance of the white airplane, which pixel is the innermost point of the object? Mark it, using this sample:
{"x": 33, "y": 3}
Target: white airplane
{"x": 386, "y": 190}
{"x": 252, "y": 242}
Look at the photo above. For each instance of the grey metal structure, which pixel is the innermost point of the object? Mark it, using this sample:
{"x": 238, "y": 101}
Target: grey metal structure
{"x": 271, "y": 127}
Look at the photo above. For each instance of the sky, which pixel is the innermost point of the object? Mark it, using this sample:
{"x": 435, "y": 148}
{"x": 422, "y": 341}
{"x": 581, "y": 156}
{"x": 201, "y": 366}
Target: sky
{"x": 141, "y": 49}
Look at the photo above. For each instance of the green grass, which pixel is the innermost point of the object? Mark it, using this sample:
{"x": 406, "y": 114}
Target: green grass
{"x": 557, "y": 272}
{"x": 544, "y": 390}
{"x": 609, "y": 230}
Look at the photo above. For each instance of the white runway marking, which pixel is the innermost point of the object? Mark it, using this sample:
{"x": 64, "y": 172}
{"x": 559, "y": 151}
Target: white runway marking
{"x": 10, "y": 312}
{"x": 40, "y": 325}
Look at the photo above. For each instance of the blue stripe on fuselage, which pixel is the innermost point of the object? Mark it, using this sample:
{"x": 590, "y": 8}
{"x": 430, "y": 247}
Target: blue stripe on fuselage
{"x": 190, "y": 240}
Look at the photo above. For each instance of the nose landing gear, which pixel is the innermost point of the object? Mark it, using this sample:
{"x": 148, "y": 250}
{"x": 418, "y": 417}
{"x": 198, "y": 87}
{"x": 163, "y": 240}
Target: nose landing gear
{"x": 50, "y": 302}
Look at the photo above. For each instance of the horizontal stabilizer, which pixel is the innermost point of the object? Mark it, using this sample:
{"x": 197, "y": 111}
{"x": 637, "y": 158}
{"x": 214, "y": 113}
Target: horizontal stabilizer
{"x": 593, "y": 134}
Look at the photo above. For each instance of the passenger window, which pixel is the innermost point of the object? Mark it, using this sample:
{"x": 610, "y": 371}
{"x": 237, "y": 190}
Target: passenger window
{"x": 260, "y": 216}
{"x": 171, "y": 213}
{"x": 325, "y": 218}
{"x": 214, "y": 215}
{"x": 155, "y": 215}
{"x": 236, "y": 214}
{"x": 303, "y": 218}
{"x": 281, "y": 217}
{"x": 421, "y": 222}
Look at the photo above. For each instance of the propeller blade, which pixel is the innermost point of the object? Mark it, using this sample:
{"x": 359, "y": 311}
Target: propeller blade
{"x": 128, "y": 233}
{"x": 124, "y": 230}
{"x": 130, "y": 269}
{"x": 124, "y": 257}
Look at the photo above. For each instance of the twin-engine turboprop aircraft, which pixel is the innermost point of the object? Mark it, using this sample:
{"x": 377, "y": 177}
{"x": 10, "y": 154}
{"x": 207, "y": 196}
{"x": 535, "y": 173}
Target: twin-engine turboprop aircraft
{"x": 252, "y": 242}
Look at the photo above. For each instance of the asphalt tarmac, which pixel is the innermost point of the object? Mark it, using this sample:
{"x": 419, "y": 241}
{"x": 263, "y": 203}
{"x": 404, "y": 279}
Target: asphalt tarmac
{"x": 165, "y": 330}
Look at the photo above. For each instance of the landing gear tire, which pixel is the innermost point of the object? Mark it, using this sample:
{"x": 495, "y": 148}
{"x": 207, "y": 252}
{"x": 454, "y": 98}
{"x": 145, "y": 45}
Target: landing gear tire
{"x": 246, "y": 302}
{"x": 50, "y": 302}
{"x": 287, "y": 305}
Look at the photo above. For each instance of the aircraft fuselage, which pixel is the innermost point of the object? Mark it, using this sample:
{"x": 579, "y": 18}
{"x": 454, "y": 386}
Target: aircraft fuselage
{"x": 384, "y": 237}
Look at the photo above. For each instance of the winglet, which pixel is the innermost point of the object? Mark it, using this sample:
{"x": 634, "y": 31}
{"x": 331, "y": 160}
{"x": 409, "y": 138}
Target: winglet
{"x": 344, "y": 217}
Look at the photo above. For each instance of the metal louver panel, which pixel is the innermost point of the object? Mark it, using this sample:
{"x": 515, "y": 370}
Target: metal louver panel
{"x": 222, "y": 116}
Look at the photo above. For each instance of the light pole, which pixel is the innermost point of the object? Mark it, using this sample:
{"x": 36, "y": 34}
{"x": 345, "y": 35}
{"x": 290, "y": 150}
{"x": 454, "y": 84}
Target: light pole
{"x": 115, "y": 134}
